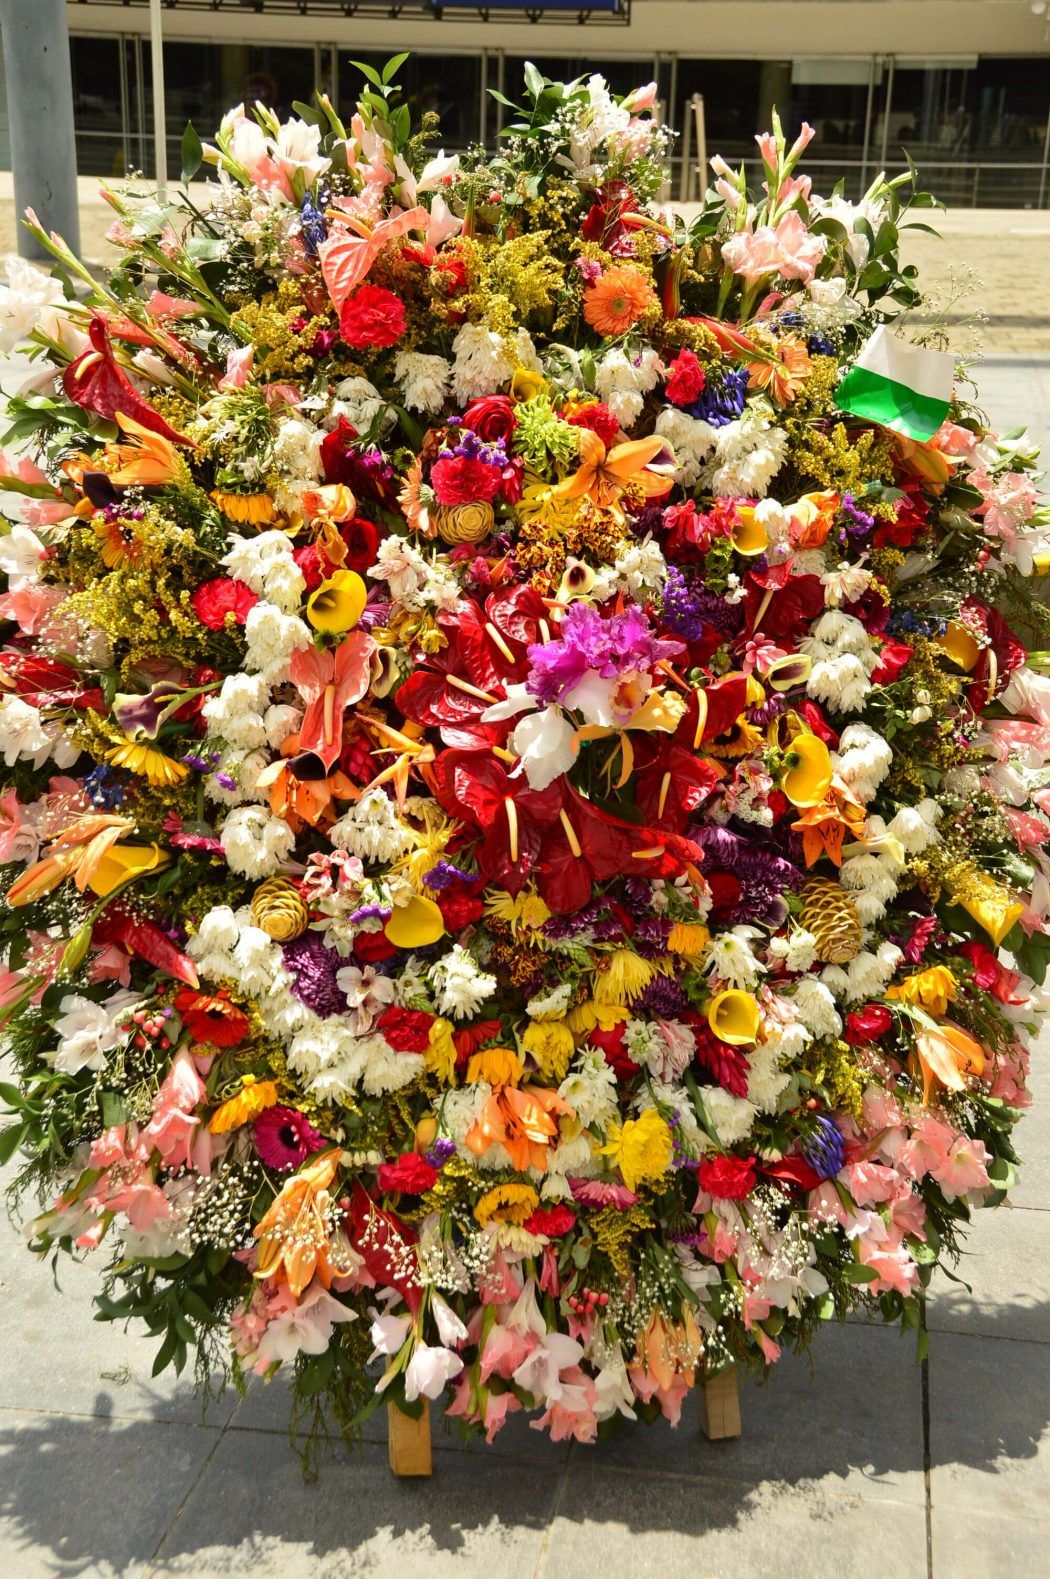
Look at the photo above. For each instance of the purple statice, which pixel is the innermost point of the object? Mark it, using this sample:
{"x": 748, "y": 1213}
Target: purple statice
{"x": 440, "y": 1152}
{"x": 852, "y": 522}
{"x": 689, "y": 610}
{"x": 444, "y": 873}
{"x": 469, "y": 446}
{"x": 825, "y": 1148}
{"x": 621, "y": 644}
{"x": 365, "y": 913}
{"x": 313, "y": 968}
{"x": 664, "y": 998}
{"x": 722, "y": 399}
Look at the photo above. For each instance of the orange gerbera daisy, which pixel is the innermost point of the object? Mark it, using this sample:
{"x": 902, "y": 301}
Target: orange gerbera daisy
{"x": 617, "y": 299}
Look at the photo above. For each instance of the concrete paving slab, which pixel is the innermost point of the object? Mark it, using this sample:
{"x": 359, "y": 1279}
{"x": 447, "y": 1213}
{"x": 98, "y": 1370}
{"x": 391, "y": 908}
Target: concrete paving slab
{"x": 252, "y": 1513}
{"x": 629, "y": 1523}
{"x": 1006, "y": 1263}
{"x": 980, "y": 1544}
{"x": 90, "y": 1497}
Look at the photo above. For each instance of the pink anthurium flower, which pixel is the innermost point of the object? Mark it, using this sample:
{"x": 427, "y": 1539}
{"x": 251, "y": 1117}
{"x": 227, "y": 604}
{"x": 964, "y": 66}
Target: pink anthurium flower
{"x": 329, "y": 683}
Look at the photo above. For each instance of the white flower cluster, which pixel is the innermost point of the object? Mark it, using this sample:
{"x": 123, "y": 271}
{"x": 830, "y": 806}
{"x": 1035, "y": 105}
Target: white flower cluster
{"x": 255, "y": 842}
{"x": 424, "y": 380}
{"x": 265, "y": 564}
{"x": 486, "y": 362}
{"x": 736, "y": 461}
{"x": 296, "y": 456}
{"x": 25, "y": 735}
{"x": 639, "y": 570}
{"x": 843, "y": 661}
{"x": 866, "y": 976}
{"x": 624, "y": 379}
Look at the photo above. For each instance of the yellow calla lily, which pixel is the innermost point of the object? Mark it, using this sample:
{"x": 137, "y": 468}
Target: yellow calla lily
{"x": 807, "y": 773}
{"x": 734, "y": 1016}
{"x": 749, "y": 535}
{"x": 123, "y": 861}
{"x": 526, "y": 385}
{"x": 416, "y": 924}
{"x": 995, "y": 911}
{"x": 959, "y": 645}
{"x": 338, "y": 603}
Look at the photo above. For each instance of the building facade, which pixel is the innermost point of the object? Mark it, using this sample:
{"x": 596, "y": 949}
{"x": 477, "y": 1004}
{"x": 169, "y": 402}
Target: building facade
{"x": 964, "y": 88}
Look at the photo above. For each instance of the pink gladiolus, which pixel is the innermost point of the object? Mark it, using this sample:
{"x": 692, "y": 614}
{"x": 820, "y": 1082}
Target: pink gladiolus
{"x": 173, "y": 1126}
{"x": 964, "y": 1167}
{"x": 238, "y": 368}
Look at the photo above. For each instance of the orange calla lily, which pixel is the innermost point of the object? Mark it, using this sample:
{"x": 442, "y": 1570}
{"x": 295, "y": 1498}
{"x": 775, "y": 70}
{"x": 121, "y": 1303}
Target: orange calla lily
{"x": 524, "y": 1120}
{"x": 604, "y": 474}
{"x": 293, "y": 1236}
{"x": 947, "y": 1053}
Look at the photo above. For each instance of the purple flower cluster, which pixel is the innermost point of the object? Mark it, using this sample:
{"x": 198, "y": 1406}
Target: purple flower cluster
{"x": 313, "y": 968}
{"x": 689, "y": 609}
{"x": 763, "y": 875}
{"x": 589, "y": 643}
{"x": 721, "y": 403}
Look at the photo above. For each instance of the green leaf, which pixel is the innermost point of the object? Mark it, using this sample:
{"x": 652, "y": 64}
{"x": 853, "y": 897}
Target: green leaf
{"x": 857, "y": 1272}
{"x": 533, "y": 80}
{"x": 393, "y": 65}
{"x": 10, "y": 1140}
{"x": 366, "y": 71}
{"x": 113, "y": 1108}
{"x": 192, "y": 153}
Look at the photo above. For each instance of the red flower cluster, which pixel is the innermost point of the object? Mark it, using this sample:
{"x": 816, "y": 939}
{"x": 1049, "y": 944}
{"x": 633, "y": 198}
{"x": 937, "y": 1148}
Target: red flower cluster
{"x": 411, "y": 1174}
{"x": 214, "y": 600}
{"x": 727, "y": 1178}
{"x": 459, "y": 479}
{"x": 685, "y": 380}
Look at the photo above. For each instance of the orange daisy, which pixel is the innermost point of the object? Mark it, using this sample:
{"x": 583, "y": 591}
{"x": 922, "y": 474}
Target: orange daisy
{"x": 617, "y": 300}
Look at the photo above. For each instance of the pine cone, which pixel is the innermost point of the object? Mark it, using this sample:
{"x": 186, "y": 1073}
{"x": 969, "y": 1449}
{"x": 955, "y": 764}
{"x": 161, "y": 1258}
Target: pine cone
{"x": 278, "y": 910}
{"x": 829, "y": 913}
{"x": 463, "y": 523}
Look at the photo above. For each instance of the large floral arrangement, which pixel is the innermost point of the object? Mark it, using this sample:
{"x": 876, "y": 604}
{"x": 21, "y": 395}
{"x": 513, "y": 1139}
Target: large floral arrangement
{"x": 517, "y": 793}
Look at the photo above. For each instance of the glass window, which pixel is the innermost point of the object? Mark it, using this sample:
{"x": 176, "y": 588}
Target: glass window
{"x": 102, "y": 148}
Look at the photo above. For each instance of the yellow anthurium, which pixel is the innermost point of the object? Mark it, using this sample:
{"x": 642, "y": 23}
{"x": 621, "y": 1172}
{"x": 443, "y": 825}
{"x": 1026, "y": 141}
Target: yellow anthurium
{"x": 807, "y": 773}
{"x": 124, "y": 861}
{"x": 734, "y": 1016}
{"x": 338, "y": 603}
{"x": 416, "y": 924}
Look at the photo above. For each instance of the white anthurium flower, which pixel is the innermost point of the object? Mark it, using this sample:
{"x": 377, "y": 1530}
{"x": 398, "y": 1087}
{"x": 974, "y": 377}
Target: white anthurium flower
{"x": 548, "y": 746}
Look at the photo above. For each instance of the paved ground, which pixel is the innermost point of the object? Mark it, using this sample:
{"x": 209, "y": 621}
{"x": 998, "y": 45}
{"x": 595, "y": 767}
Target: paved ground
{"x": 865, "y": 1464}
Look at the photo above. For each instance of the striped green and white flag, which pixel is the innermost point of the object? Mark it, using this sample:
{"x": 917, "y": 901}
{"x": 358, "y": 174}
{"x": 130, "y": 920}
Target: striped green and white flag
{"x": 901, "y": 386}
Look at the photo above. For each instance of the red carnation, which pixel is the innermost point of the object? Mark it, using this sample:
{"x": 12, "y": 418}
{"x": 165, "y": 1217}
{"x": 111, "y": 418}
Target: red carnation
{"x": 411, "y": 1174}
{"x": 371, "y": 947}
{"x": 611, "y": 1044}
{"x": 599, "y": 419}
{"x": 312, "y": 564}
{"x": 459, "y": 479}
{"x": 459, "y": 910}
{"x": 213, "y": 600}
{"x": 685, "y": 380}
{"x": 407, "y": 1030}
{"x": 372, "y": 318}
{"x": 553, "y": 1221}
{"x": 893, "y": 657}
{"x": 727, "y": 1178}
{"x": 867, "y": 1024}
{"x": 491, "y": 417}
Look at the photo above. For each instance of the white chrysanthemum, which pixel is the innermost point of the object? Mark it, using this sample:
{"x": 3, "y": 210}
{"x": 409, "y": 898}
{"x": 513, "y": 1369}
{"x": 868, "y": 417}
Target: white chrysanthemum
{"x": 748, "y": 455}
{"x": 862, "y": 760}
{"x": 551, "y": 1004}
{"x": 243, "y": 768}
{"x": 460, "y": 985}
{"x": 691, "y": 439}
{"x": 255, "y": 842}
{"x": 623, "y": 380}
{"x": 280, "y": 721}
{"x": 590, "y": 1088}
{"x": 843, "y": 661}
{"x": 733, "y": 1117}
{"x": 266, "y": 565}
{"x": 845, "y": 584}
{"x": 424, "y": 380}
{"x": 815, "y": 1007}
{"x": 217, "y": 933}
{"x": 296, "y": 456}
{"x": 915, "y": 829}
{"x": 272, "y": 638}
{"x": 766, "y": 1080}
{"x": 372, "y": 830}
{"x": 360, "y": 402}
{"x": 235, "y": 714}
{"x": 866, "y": 976}
{"x": 483, "y": 365}
{"x": 730, "y": 957}
{"x": 575, "y": 1157}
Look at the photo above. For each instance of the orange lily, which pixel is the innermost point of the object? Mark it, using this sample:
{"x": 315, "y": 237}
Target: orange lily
{"x": 78, "y": 849}
{"x": 824, "y": 827}
{"x": 523, "y": 1120}
{"x": 150, "y": 463}
{"x": 785, "y": 375}
{"x": 293, "y": 1236}
{"x": 299, "y": 799}
{"x": 604, "y": 474}
{"x": 946, "y": 1053}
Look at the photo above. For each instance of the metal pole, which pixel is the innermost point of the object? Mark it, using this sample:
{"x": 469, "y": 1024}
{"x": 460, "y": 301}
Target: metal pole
{"x": 40, "y": 108}
{"x": 886, "y": 108}
{"x": 701, "y": 142}
{"x": 867, "y": 128}
{"x": 685, "y": 174}
{"x": 1046, "y": 161}
{"x": 160, "y": 121}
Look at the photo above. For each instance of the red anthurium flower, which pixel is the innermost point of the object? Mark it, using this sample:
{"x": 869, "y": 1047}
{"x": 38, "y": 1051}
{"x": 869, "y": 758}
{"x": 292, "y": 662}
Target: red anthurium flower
{"x": 94, "y": 381}
{"x": 793, "y": 1170}
{"x": 781, "y": 606}
{"x": 587, "y": 845}
{"x": 998, "y": 660}
{"x": 330, "y": 682}
{"x": 671, "y": 783}
{"x": 712, "y": 711}
{"x": 475, "y": 787}
{"x": 485, "y": 651}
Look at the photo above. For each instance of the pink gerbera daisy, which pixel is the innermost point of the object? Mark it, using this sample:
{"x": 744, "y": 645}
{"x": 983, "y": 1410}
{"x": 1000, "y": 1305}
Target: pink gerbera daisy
{"x": 285, "y": 1138}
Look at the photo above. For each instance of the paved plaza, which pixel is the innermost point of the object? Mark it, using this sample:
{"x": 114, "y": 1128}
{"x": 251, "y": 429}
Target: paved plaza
{"x": 863, "y": 1462}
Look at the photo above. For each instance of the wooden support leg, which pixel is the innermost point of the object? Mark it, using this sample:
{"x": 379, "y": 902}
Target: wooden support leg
{"x": 720, "y": 1405}
{"x": 408, "y": 1442}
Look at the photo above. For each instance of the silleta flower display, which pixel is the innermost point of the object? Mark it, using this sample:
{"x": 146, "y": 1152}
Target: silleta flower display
{"x": 526, "y": 751}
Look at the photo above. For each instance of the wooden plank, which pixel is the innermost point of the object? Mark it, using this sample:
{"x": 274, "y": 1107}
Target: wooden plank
{"x": 720, "y": 1405}
{"x": 408, "y": 1442}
